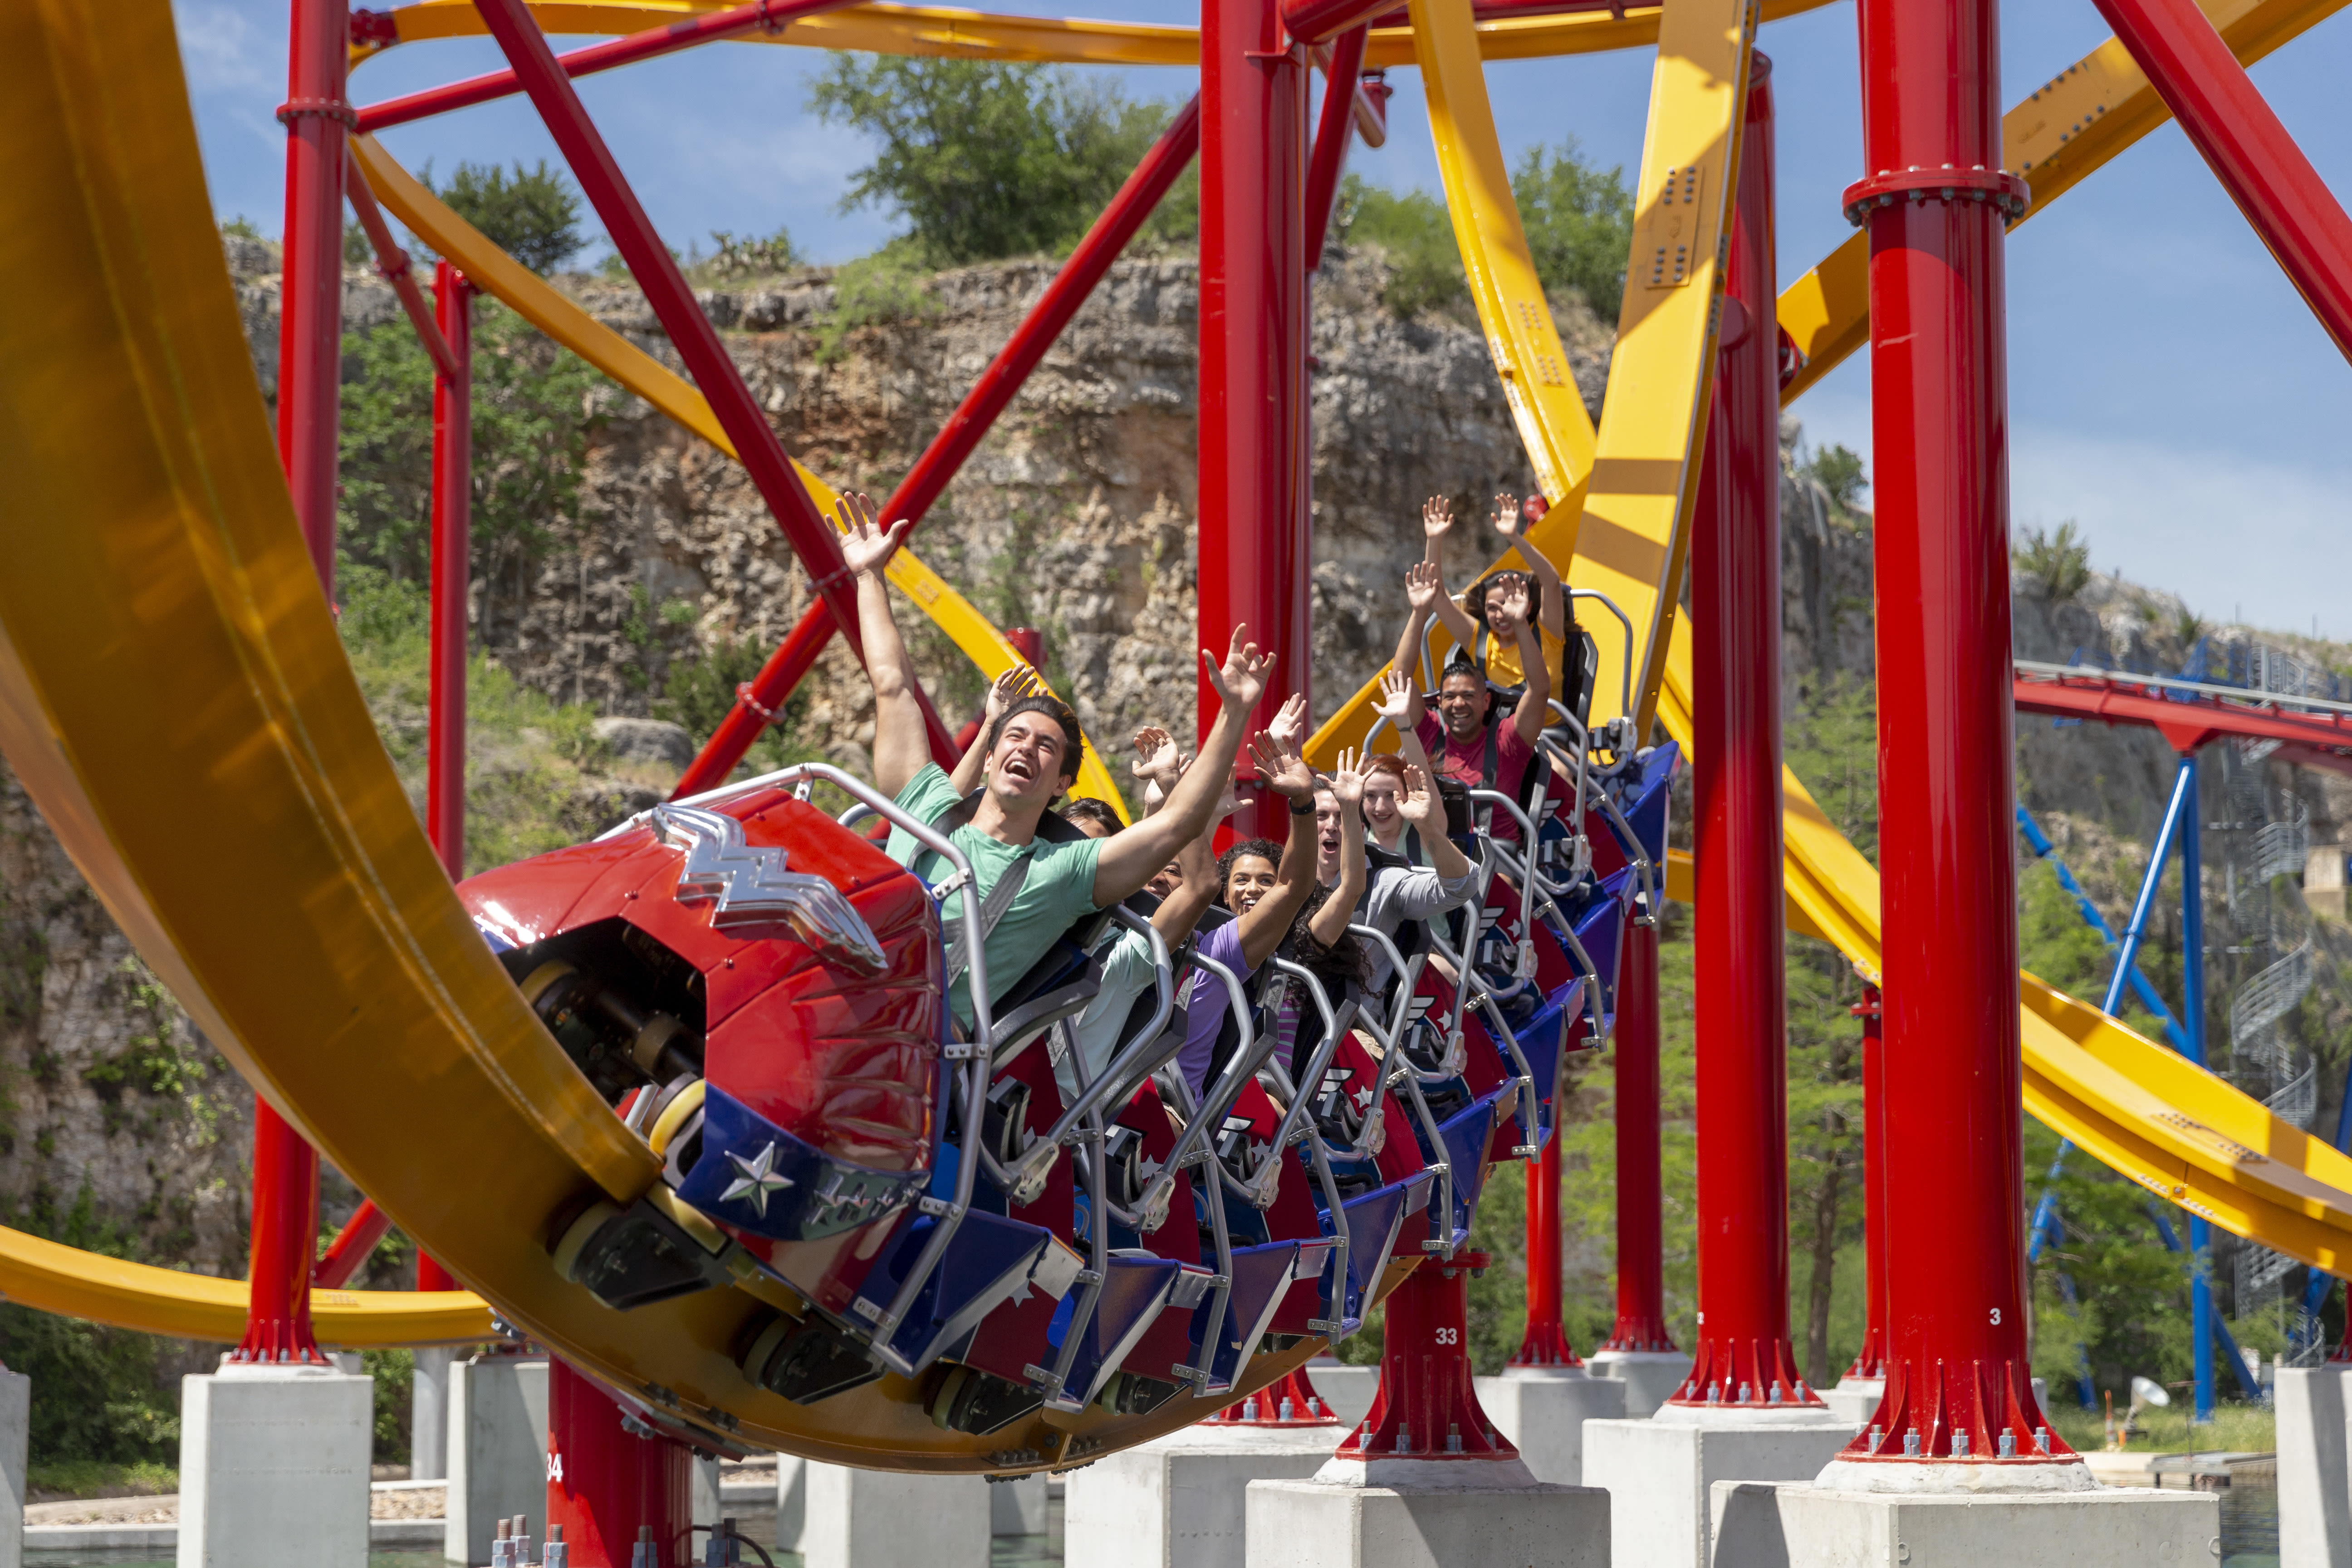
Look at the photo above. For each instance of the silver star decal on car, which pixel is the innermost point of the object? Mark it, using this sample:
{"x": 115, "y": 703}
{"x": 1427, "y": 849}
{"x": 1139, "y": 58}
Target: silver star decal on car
{"x": 754, "y": 1179}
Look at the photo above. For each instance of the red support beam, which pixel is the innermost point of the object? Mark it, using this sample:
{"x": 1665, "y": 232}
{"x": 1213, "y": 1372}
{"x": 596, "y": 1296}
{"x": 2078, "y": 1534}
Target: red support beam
{"x": 310, "y": 375}
{"x": 809, "y": 532}
{"x": 1936, "y": 204}
{"x": 1426, "y": 1406}
{"x": 1255, "y": 550}
{"x": 606, "y": 1485}
{"x": 1545, "y": 1342}
{"x": 763, "y": 696}
{"x": 393, "y": 263}
{"x": 2249, "y": 151}
{"x": 1743, "y": 1358}
{"x": 1312, "y": 22}
{"x": 350, "y": 1249}
{"x": 1869, "y": 1361}
{"x": 1641, "y": 1327}
{"x": 451, "y": 572}
{"x": 762, "y": 16}
{"x": 1335, "y": 128}
{"x": 2188, "y": 725}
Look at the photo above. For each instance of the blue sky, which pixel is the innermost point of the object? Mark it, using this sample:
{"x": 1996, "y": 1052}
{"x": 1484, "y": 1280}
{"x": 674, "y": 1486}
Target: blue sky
{"x": 2168, "y": 389}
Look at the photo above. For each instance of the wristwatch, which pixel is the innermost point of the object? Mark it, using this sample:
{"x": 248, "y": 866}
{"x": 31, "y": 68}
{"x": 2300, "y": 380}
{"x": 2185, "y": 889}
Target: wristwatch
{"x": 1303, "y": 807}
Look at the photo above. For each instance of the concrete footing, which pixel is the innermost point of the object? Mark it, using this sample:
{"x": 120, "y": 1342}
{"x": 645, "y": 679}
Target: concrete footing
{"x": 1650, "y": 1377}
{"x": 1543, "y": 1412}
{"x": 16, "y": 1426}
{"x": 792, "y": 1500}
{"x": 1180, "y": 1500}
{"x": 2314, "y": 1492}
{"x": 1017, "y": 1507}
{"x": 1658, "y": 1475}
{"x": 1348, "y": 1390}
{"x": 1763, "y": 1525}
{"x": 1423, "y": 1513}
{"x": 274, "y": 1468}
{"x": 428, "y": 1414}
{"x": 496, "y": 1452}
{"x": 886, "y": 1518}
{"x": 1855, "y": 1399}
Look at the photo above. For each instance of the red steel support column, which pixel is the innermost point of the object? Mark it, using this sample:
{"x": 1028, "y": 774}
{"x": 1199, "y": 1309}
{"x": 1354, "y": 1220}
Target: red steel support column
{"x": 1870, "y": 1362}
{"x": 606, "y": 1484}
{"x": 1936, "y": 201}
{"x": 1545, "y": 1344}
{"x": 2248, "y": 149}
{"x": 1743, "y": 1356}
{"x": 1335, "y": 131}
{"x": 310, "y": 375}
{"x": 451, "y": 555}
{"x": 1641, "y": 1326}
{"x": 764, "y": 694}
{"x": 1254, "y": 541}
{"x": 1426, "y": 1406}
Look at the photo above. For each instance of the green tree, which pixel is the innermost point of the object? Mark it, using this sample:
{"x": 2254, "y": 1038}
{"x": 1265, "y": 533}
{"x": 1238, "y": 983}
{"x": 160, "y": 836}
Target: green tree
{"x": 1415, "y": 232}
{"x": 986, "y": 159}
{"x": 2057, "y": 560}
{"x": 530, "y": 435}
{"x": 1838, "y": 469}
{"x": 532, "y": 215}
{"x": 1579, "y": 222}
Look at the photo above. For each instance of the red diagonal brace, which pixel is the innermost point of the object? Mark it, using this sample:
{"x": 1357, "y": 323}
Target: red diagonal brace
{"x": 2248, "y": 149}
{"x": 812, "y": 537}
{"x": 961, "y": 434}
{"x": 392, "y": 262}
{"x": 351, "y": 1247}
{"x": 1334, "y": 128}
{"x": 762, "y": 16}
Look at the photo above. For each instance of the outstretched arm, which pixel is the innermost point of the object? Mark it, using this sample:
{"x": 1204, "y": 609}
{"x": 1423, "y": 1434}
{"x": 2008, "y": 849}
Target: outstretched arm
{"x": 1017, "y": 682}
{"x": 1417, "y": 804}
{"x": 1512, "y": 524}
{"x": 1399, "y": 701}
{"x": 1437, "y": 521}
{"x": 1130, "y": 858}
{"x": 1331, "y": 923}
{"x": 1425, "y": 595}
{"x": 1535, "y": 702}
{"x": 1268, "y": 920}
{"x": 1180, "y": 910}
{"x": 901, "y": 742}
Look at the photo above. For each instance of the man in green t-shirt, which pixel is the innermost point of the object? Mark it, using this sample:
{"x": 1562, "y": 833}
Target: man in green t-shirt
{"x": 1032, "y": 757}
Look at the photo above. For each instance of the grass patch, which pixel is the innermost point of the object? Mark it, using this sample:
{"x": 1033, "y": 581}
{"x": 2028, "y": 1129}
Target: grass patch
{"x": 2236, "y": 1427}
{"x": 62, "y": 1480}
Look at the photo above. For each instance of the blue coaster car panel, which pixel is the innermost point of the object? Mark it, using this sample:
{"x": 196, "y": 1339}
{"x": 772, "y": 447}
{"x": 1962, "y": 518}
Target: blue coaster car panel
{"x": 987, "y": 1260}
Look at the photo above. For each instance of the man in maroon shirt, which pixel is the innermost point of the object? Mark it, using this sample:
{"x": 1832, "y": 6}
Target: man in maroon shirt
{"x": 1476, "y": 754}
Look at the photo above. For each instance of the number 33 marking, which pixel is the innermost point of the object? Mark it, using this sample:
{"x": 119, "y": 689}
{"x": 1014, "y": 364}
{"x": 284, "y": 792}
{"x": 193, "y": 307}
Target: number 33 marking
{"x": 1449, "y": 1336}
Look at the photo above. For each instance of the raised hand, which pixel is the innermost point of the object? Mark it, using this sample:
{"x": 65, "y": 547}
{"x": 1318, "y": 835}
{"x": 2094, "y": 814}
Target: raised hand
{"x": 1513, "y": 611}
{"x": 866, "y": 547}
{"x": 1285, "y": 771}
{"x": 1156, "y": 757}
{"x": 1289, "y": 726}
{"x": 1509, "y": 522}
{"x": 1018, "y": 682}
{"x": 1241, "y": 681}
{"x": 1424, "y": 585}
{"x": 1395, "y": 698}
{"x": 1436, "y": 516}
{"x": 1416, "y": 801}
{"x": 1347, "y": 779}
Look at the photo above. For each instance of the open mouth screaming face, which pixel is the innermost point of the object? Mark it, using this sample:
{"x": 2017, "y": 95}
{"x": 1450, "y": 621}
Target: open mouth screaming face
{"x": 1326, "y": 834}
{"x": 1031, "y": 760}
{"x": 1248, "y": 883}
{"x": 1462, "y": 705}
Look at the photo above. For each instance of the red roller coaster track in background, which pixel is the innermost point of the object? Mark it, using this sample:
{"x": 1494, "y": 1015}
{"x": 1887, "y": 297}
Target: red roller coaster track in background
{"x": 2186, "y": 713}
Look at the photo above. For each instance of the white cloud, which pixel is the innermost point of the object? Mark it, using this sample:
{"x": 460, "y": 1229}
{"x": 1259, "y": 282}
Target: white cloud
{"x": 223, "y": 51}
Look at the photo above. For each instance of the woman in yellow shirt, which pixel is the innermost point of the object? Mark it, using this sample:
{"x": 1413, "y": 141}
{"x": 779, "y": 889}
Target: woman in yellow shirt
{"x": 1496, "y": 652}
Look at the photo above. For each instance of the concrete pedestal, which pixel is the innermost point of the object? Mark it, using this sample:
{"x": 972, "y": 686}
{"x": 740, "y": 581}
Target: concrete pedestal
{"x": 428, "y": 1414}
{"x": 1854, "y": 1398}
{"x": 792, "y": 1500}
{"x": 274, "y": 1468}
{"x": 1658, "y": 1474}
{"x": 497, "y": 1451}
{"x": 15, "y": 1425}
{"x": 1650, "y": 1377}
{"x": 1348, "y": 1390}
{"x": 1762, "y": 1525}
{"x": 884, "y": 1519}
{"x": 703, "y": 1501}
{"x": 1180, "y": 1500}
{"x": 1424, "y": 1513}
{"x": 1543, "y": 1413}
{"x": 1017, "y": 1507}
{"x": 2315, "y": 1492}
